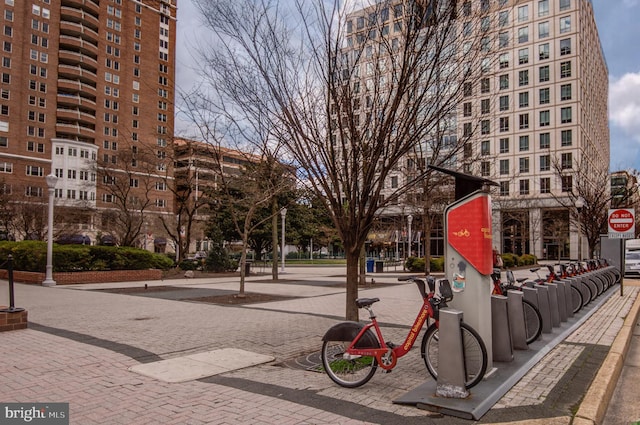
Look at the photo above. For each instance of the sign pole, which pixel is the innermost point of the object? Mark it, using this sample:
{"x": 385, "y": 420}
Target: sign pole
{"x": 622, "y": 225}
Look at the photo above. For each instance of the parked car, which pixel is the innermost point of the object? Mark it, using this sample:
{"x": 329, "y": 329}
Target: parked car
{"x": 73, "y": 239}
{"x": 632, "y": 263}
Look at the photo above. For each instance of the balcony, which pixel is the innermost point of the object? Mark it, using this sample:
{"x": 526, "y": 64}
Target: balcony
{"x": 76, "y": 29}
{"x": 88, "y": 5}
{"x": 69, "y": 57}
{"x": 73, "y": 43}
{"x": 75, "y": 132}
{"x": 75, "y": 100}
{"x": 83, "y": 119}
{"x": 74, "y": 72}
{"x": 79, "y": 15}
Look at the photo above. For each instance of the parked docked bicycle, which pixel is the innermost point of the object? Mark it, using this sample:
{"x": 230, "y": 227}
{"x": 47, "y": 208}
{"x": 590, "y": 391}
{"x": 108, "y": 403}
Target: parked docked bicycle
{"x": 532, "y": 316}
{"x": 352, "y": 351}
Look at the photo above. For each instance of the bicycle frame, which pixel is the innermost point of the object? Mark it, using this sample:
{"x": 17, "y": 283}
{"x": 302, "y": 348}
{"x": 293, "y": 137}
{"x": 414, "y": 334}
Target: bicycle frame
{"x": 387, "y": 357}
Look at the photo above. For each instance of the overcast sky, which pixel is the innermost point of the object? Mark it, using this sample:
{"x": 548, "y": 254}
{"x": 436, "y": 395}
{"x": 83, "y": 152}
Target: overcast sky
{"x": 619, "y": 27}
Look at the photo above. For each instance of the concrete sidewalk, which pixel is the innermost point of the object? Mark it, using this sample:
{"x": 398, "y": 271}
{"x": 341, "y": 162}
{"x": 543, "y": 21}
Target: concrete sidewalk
{"x": 83, "y": 344}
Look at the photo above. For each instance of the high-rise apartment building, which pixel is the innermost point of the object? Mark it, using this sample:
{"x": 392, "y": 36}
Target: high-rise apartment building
{"x": 533, "y": 115}
{"x": 87, "y": 94}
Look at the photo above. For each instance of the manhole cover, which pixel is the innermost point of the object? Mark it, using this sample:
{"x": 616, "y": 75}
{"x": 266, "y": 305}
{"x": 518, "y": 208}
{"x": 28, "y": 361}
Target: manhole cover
{"x": 311, "y": 362}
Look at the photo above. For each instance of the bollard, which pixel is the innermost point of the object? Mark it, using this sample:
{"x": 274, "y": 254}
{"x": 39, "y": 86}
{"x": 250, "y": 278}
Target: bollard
{"x": 543, "y": 306}
{"x": 562, "y": 300}
{"x": 516, "y": 320}
{"x": 12, "y": 308}
{"x": 450, "y": 356}
{"x": 552, "y": 289}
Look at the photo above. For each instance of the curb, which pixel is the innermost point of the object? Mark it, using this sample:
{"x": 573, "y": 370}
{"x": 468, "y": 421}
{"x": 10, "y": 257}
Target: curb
{"x": 596, "y": 401}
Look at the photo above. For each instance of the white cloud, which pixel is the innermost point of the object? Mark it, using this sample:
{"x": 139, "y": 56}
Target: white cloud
{"x": 624, "y": 104}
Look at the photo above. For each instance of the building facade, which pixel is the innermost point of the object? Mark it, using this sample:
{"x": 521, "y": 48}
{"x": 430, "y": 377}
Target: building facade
{"x": 533, "y": 117}
{"x": 87, "y": 94}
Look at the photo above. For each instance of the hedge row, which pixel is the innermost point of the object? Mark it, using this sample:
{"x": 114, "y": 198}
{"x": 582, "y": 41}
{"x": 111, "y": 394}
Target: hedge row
{"x": 31, "y": 256}
{"x": 513, "y": 260}
{"x": 416, "y": 265}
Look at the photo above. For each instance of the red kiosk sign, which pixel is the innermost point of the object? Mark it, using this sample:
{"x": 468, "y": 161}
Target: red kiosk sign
{"x": 469, "y": 233}
{"x": 622, "y": 223}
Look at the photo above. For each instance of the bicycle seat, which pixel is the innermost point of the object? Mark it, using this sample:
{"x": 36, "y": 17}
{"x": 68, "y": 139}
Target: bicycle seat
{"x": 535, "y": 269}
{"x": 365, "y": 302}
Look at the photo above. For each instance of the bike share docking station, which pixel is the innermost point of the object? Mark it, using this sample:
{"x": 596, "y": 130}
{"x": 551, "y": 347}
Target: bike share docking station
{"x": 499, "y": 320}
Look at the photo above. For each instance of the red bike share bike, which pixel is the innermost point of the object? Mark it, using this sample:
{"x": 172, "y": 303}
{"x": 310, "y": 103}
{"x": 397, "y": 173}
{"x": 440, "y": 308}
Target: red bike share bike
{"x": 352, "y": 351}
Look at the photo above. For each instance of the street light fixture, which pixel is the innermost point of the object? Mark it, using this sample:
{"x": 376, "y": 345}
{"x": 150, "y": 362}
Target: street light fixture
{"x": 283, "y": 214}
{"x": 48, "y": 279}
{"x": 579, "y": 206}
{"x": 409, "y": 221}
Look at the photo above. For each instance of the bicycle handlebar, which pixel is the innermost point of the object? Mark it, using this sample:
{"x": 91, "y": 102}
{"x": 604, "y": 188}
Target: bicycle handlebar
{"x": 420, "y": 282}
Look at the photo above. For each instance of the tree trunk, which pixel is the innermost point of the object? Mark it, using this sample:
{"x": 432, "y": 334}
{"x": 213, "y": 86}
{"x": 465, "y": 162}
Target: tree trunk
{"x": 274, "y": 240}
{"x": 243, "y": 262}
{"x": 426, "y": 219}
{"x": 352, "y": 283}
{"x": 362, "y": 279}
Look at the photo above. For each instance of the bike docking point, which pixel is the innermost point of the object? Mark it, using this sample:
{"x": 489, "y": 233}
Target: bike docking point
{"x": 450, "y": 359}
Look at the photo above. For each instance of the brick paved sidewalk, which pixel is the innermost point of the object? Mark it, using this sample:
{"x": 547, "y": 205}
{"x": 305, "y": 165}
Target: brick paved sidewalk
{"x": 81, "y": 344}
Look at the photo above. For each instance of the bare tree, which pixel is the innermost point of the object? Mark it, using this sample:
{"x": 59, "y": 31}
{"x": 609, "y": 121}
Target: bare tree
{"x": 346, "y": 97}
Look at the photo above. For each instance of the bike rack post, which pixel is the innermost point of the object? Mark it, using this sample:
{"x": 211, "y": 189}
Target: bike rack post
{"x": 562, "y": 300}
{"x": 543, "y": 306}
{"x": 552, "y": 289}
{"x": 450, "y": 356}
{"x": 516, "y": 320}
{"x": 501, "y": 340}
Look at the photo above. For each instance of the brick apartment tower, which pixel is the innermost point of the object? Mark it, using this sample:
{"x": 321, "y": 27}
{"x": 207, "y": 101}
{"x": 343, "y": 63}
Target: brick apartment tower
{"x": 87, "y": 86}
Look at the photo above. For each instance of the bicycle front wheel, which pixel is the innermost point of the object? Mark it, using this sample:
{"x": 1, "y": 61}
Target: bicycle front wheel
{"x": 474, "y": 353}
{"x": 576, "y": 299}
{"x": 532, "y": 321}
{"x": 344, "y": 371}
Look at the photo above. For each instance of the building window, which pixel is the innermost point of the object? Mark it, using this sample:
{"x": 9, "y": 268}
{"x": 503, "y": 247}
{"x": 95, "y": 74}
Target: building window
{"x": 543, "y": 51}
{"x": 524, "y": 187}
{"x": 504, "y": 188}
{"x": 543, "y": 29}
{"x": 504, "y": 124}
{"x": 545, "y": 162}
{"x": 503, "y": 18}
{"x": 566, "y": 137}
{"x": 524, "y": 121}
{"x": 524, "y": 99}
{"x": 523, "y": 77}
{"x": 565, "y": 92}
{"x": 566, "y": 161}
{"x": 545, "y": 140}
{"x": 543, "y": 7}
{"x": 523, "y": 56}
{"x": 524, "y": 143}
{"x": 504, "y": 60}
{"x": 545, "y": 185}
{"x": 485, "y": 147}
{"x": 466, "y": 129}
{"x": 485, "y": 168}
{"x": 467, "y": 89}
{"x": 485, "y": 106}
{"x": 504, "y": 166}
{"x": 524, "y": 165}
{"x": 466, "y": 108}
{"x": 565, "y": 24}
{"x": 503, "y": 40}
{"x": 545, "y": 119}
{"x": 565, "y": 69}
{"x": 523, "y": 35}
{"x": 543, "y": 73}
{"x": 523, "y": 13}
{"x": 567, "y": 183}
{"x": 544, "y": 96}
{"x": 504, "y": 103}
{"x": 485, "y": 127}
{"x": 485, "y": 86}
{"x": 565, "y": 4}
{"x": 504, "y": 145}
{"x": 504, "y": 81}
{"x": 565, "y": 47}
{"x": 565, "y": 115}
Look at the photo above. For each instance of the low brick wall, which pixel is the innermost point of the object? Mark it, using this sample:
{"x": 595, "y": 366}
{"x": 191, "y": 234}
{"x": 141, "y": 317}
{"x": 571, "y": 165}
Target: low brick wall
{"x": 12, "y": 321}
{"x": 68, "y": 278}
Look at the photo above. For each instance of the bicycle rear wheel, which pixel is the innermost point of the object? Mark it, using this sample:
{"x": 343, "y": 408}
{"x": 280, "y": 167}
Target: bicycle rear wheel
{"x": 474, "y": 353}
{"x": 532, "y": 321}
{"x": 348, "y": 373}
{"x": 576, "y": 299}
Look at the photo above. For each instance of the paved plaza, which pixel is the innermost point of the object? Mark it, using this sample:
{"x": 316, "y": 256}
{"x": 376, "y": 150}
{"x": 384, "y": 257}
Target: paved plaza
{"x": 91, "y": 348}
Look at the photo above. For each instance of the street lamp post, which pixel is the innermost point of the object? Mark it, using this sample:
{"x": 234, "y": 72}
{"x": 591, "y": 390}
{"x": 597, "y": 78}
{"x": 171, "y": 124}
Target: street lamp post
{"x": 48, "y": 279}
{"x": 283, "y": 214}
{"x": 409, "y": 221}
{"x": 579, "y": 206}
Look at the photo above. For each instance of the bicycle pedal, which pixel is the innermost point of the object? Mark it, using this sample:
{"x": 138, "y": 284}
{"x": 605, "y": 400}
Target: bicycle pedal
{"x": 391, "y": 345}
{"x": 388, "y": 371}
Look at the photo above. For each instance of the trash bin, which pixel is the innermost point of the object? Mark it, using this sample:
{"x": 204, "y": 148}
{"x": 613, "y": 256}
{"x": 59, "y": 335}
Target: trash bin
{"x": 370, "y": 266}
{"x": 379, "y": 266}
{"x": 247, "y": 268}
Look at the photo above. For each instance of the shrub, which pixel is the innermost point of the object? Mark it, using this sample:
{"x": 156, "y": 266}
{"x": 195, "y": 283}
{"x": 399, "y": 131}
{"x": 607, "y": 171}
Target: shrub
{"x": 437, "y": 264}
{"x": 509, "y": 260}
{"x": 415, "y": 264}
{"x": 527, "y": 260}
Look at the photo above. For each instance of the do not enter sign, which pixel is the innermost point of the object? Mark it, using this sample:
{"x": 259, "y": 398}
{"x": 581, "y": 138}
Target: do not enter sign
{"x": 622, "y": 223}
